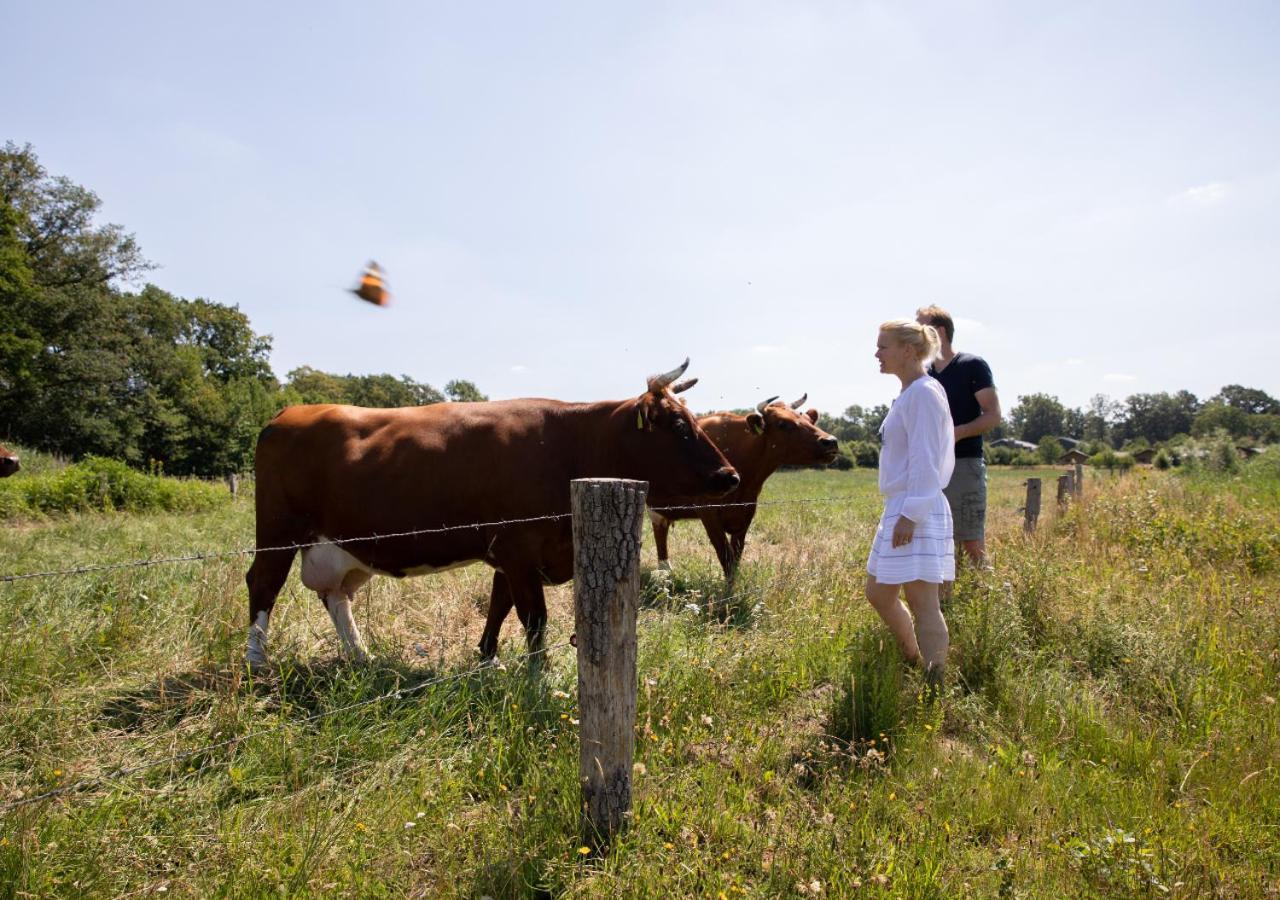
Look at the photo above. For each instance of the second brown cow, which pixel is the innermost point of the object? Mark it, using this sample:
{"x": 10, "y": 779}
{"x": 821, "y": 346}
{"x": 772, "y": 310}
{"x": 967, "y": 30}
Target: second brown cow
{"x": 756, "y": 445}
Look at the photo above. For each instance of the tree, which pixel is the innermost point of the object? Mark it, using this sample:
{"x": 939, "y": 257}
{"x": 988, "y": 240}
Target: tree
{"x": 1098, "y": 419}
{"x": 55, "y": 226}
{"x": 1037, "y": 415}
{"x": 460, "y": 391}
{"x": 1216, "y": 415}
{"x": 1247, "y": 400}
{"x": 1050, "y": 450}
{"x": 1157, "y": 417}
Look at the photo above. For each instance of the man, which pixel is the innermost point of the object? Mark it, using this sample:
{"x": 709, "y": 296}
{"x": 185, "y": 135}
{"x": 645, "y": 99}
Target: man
{"x": 975, "y": 410}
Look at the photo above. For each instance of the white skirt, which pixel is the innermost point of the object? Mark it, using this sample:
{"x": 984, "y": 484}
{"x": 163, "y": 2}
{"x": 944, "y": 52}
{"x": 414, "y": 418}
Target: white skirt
{"x": 929, "y": 557}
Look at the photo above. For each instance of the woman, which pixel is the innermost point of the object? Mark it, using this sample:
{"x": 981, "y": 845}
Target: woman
{"x": 913, "y": 548}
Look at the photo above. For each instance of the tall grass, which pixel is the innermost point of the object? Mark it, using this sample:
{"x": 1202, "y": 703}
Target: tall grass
{"x": 1109, "y": 726}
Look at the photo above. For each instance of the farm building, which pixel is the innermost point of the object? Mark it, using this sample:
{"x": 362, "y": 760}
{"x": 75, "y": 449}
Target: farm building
{"x": 1073, "y": 456}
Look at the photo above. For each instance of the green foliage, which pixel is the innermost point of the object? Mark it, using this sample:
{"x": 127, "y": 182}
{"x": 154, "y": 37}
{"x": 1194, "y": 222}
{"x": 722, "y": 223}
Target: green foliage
{"x": 1037, "y": 415}
{"x": 1050, "y": 450}
{"x": 103, "y": 485}
{"x": 1110, "y": 460}
{"x": 865, "y": 454}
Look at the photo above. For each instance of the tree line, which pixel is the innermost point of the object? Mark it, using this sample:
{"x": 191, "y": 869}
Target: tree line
{"x": 87, "y": 367}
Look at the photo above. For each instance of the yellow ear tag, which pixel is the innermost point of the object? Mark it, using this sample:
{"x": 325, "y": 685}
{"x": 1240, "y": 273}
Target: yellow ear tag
{"x": 639, "y": 420}
{"x": 757, "y": 429}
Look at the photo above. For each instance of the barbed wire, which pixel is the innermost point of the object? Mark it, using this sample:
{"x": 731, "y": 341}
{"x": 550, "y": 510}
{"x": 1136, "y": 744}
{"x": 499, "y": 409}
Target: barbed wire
{"x": 500, "y": 523}
{"x": 128, "y": 771}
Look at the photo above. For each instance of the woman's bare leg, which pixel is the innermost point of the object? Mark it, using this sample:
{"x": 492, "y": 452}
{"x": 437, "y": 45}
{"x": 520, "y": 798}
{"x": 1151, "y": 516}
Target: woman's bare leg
{"x": 930, "y": 628}
{"x": 884, "y": 599}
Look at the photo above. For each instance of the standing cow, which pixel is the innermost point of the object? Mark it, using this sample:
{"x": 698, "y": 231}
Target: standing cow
{"x": 756, "y": 445}
{"x": 8, "y": 462}
{"x": 337, "y": 476}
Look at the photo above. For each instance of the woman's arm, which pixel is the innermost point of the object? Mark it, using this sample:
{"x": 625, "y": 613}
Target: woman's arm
{"x": 928, "y": 424}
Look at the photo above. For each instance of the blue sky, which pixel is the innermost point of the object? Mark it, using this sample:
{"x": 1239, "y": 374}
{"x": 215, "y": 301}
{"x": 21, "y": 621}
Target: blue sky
{"x": 569, "y": 196}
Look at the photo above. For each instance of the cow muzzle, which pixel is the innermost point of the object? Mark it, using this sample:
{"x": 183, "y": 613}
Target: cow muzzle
{"x": 722, "y": 481}
{"x": 829, "y": 448}
{"x": 8, "y": 465}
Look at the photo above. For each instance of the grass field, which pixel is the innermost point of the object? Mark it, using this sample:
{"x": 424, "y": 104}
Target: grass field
{"x": 1109, "y": 726}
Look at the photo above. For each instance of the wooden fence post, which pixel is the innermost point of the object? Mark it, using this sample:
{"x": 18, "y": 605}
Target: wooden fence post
{"x": 607, "y": 515}
{"x": 233, "y": 484}
{"x": 1032, "y": 509}
{"x": 1065, "y": 488}
{"x": 1079, "y": 485}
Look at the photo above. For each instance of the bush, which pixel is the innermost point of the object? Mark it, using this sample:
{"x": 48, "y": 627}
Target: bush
{"x": 106, "y": 485}
{"x": 1162, "y": 461}
{"x": 1110, "y": 460}
{"x": 865, "y": 453}
{"x": 998, "y": 456}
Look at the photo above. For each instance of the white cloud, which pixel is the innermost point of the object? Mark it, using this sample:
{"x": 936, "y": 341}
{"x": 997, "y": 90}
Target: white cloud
{"x": 1203, "y": 195}
{"x": 769, "y": 349}
{"x": 1122, "y": 377}
{"x": 518, "y": 369}
{"x": 1074, "y": 361}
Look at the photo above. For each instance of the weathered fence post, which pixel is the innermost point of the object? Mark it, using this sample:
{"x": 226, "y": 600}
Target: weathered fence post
{"x": 1032, "y": 509}
{"x": 1065, "y": 488}
{"x": 607, "y": 515}
{"x": 1079, "y": 485}
{"x": 233, "y": 484}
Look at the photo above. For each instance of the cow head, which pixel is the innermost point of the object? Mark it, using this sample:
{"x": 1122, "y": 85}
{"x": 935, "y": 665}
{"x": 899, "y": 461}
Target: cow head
{"x": 8, "y": 462}
{"x": 668, "y": 448}
{"x": 794, "y": 438}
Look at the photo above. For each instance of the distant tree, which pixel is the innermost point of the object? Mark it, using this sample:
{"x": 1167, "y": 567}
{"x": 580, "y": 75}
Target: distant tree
{"x": 1157, "y": 417}
{"x": 1037, "y": 415}
{"x": 460, "y": 391}
{"x": 1098, "y": 418}
{"x": 1216, "y": 415}
{"x": 1248, "y": 400}
{"x": 1050, "y": 450}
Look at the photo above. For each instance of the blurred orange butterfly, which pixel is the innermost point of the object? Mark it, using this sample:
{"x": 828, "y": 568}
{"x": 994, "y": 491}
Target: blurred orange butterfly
{"x": 373, "y": 287}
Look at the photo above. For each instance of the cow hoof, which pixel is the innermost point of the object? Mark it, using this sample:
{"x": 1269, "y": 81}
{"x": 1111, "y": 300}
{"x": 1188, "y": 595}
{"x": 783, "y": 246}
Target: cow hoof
{"x": 256, "y": 664}
{"x": 664, "y": 565}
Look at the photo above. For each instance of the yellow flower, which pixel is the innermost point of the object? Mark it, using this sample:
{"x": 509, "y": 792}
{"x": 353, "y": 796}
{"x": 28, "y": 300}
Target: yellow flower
{"x": 359, "y": 826}
{"x": 669, "y": 846}
{"x": 57, "y": 773}
{"x": 893, "y": 795}
{"x": 584, "y": 851}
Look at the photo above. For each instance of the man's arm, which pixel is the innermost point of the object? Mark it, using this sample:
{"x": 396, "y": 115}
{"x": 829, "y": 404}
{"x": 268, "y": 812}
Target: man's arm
{"x": 989, "y": 418}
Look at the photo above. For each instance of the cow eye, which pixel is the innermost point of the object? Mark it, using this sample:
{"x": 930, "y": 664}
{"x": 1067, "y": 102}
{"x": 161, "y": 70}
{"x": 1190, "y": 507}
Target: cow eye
{"x": 682, "y": 429}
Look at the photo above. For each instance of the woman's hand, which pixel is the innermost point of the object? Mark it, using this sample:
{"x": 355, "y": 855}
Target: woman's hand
{"x": 903, "y": 530}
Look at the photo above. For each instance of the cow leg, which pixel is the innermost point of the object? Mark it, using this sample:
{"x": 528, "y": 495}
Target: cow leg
{"x": 531, "y": 607}
{"x": 338, "y": 603}
{"x": 265, "y": 577}
{"x": 721, "y": 544}
{"x": 500, "y": 603}
{"x": 737, "y": 543}
{"x": 661, "y": 525}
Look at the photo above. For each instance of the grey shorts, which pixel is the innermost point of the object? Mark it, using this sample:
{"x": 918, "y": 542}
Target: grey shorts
{"x": 967, "y": 494}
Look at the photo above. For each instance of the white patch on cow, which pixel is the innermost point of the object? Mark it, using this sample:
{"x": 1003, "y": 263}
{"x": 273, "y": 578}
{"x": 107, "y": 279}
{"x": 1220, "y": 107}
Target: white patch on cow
{"x": 664, "y": 565}
{"x": 256, "y": 653}
{"x": 339, "y": 606}
{"x": 325, "y": 566}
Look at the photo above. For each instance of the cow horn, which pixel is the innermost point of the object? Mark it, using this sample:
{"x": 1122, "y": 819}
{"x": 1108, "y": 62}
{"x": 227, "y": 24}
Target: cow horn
{"x": 799, "y": 403}
{"x": 682, "y": 386}
{"x": 658, "y": 383}
{"x": 763, "y": 403}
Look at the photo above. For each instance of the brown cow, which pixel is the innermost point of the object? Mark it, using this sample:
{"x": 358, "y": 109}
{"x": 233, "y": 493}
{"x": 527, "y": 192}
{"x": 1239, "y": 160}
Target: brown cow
{"x": 8, "y": 462}
{"x": 330, "y": 474}
{"x": 756, "y": 445}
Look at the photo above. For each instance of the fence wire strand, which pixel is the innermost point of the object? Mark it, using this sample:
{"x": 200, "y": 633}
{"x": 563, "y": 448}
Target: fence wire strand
{"x": 500, "y": 523}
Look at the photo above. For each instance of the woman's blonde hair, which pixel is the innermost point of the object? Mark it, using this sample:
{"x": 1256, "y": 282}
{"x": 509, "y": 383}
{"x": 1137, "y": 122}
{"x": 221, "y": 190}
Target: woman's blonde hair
{"x": 922, "y": 338}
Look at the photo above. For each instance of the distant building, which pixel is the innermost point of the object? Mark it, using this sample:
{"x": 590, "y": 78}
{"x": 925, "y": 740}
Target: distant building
{"x": 1073, "y": 456}
{"x": 1145, "y": 456}
{"x": 1068, "y": 442}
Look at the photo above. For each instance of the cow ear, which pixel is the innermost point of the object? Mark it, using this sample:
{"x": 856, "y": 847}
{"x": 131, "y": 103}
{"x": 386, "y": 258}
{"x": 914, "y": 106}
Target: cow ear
{"x": 813, "y": 416}
{"x": 643, "y": 420}
{"x": 755, "y": 422}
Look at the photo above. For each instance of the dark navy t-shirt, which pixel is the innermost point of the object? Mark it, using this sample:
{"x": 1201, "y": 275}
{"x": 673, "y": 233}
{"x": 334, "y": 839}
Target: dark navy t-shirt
{"x": 963, "y": 377}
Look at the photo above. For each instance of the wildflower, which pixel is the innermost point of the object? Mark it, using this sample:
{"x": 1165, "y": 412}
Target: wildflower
{"x": 584, "y": 851}
{"x": 707, "y": 720}
{"x": 359, "y": 826}
{"x": 669, "y": 846}
{"x": 57, "y": 773}
{"x": 411, "y": 824}
{"x": 639, "y": 768}
{"x": 893, "y": 795}
{"x": 560, "y": 695}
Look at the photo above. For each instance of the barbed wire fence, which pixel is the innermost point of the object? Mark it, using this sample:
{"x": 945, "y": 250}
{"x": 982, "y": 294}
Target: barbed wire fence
{"x": 122, "y": 773}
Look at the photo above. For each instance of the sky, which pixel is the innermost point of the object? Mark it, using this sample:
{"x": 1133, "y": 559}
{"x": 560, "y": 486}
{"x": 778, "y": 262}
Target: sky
{"x": 568, "y": 197}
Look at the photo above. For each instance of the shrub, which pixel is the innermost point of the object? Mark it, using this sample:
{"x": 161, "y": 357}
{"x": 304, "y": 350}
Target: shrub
{"x": 103, "y": 485}
{"x": 865, "y": 453}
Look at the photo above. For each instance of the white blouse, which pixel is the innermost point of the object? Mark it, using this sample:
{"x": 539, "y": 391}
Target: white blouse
{"x": 918, "y": 453}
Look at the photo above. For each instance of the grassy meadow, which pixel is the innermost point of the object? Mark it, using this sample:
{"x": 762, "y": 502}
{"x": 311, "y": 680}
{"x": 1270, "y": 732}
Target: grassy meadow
{"x": 1109, "y": 725}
